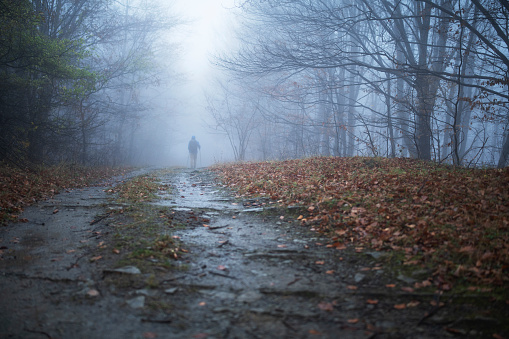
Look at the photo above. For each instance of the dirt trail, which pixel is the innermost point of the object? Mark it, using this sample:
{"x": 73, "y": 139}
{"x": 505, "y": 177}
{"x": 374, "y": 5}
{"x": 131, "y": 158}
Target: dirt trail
{"x": 250, "y": 271}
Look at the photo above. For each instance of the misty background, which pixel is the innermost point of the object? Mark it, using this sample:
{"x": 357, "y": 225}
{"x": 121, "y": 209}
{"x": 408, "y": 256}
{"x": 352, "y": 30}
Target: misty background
{"x": 205, "y": 29}
{"x": 129, "y": 82}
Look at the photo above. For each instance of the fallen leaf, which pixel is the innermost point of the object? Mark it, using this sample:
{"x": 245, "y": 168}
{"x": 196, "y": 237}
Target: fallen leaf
{"x": 353, "y": 321}
{"x": 116, "y": 251}
{"x": 390, "y": 285}
{"x": 372, "y": 301}
{"x": 202, "y": 303}
{"x": 55, "y": 211}
{"x": 93, "y": 293}
{"x": 149, "y": 335}
{"x": 319, "y": 262}
{"x": 434, "y": 303}
{"x": 330, "y": 272}
{"x": 95, "y": 258}
{"x": 351, "y": 287}
{"x": 400, "y": 306}
{"x": 325, "y": 306}
{"x": 281, "y": 246}
{"x": 407, "y": 289}
{"x": 413, "y": 303}
{"x": 221, "y": 268}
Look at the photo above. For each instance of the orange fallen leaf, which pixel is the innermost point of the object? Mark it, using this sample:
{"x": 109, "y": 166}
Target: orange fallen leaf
{"x": 330, "y": 272}
{"x": 281, "y": 246}
{"x": 221, "y": 267}
{"x": 96, "y": 258}
{"x": 351, "y": 287}
{"x": 202, "y": 303}
{"x": 315, "y": 332}
{"x": 353, "y": 321}
{"x": 372, "y": 301}
{"x": 390, "y": 285}
{"x": 320, "y": 262}
{"x": 407, "y": 289}
{"x": 116, "y": 251}
{"x": 434, "y": 303}
{"x": 400, "y": 306}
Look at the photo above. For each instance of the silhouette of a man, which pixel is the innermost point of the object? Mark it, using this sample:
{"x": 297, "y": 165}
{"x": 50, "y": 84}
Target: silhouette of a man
{"x": 193, "y": 148}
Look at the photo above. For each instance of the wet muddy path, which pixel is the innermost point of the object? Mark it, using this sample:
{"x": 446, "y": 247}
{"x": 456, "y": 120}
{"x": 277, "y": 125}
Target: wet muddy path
{"x": 248, "y": 270}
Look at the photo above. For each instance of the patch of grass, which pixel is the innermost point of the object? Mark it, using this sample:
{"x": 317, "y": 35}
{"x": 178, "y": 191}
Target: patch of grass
{"x": 139, "y": 189}
{"x": 159, "y": 305}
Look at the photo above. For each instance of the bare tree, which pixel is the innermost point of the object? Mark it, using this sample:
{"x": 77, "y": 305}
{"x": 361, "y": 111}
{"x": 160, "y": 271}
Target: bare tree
{"x": 440, "y": 67}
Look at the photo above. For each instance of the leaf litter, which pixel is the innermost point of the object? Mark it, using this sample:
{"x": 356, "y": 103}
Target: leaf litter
{"x": 452, "y": 219}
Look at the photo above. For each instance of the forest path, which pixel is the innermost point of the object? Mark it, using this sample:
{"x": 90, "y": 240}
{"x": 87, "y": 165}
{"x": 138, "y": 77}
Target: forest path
{"x": 248, "y": 270}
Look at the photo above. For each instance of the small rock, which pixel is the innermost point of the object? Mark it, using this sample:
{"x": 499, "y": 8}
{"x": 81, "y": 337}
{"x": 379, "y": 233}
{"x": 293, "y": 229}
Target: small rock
{"x": 358, "y": 277}
{"x": 224, "y": 295}
{"x": 137, "y": 302}
{"x": 126, "y": 270}
{"x": 172, "y": 290}
{"x": 376, "y": 255}
{"x": 405, "y": 279}
{"x": 249, "y": 296}
{"x": 258, "y": 209}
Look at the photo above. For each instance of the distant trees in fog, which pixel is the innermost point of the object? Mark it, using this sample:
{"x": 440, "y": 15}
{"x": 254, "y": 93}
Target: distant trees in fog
{"x": 71, "y": 73}
{"x": 419, "y": 78}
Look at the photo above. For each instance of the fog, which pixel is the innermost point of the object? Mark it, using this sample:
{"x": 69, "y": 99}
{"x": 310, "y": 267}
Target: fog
{"x": 133, "y": 80}
{"x": 182, "y": 101}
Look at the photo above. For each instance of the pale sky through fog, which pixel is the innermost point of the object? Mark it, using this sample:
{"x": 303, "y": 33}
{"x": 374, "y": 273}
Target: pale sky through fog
{"x": 206, "y": 31}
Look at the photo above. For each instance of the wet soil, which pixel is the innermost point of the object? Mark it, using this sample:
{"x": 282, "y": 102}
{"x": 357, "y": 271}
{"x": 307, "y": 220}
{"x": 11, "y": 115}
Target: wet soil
{"x": 86, "y": 266}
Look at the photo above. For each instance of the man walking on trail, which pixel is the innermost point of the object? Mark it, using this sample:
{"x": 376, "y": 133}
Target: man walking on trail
{"x": 193, "y": 148}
